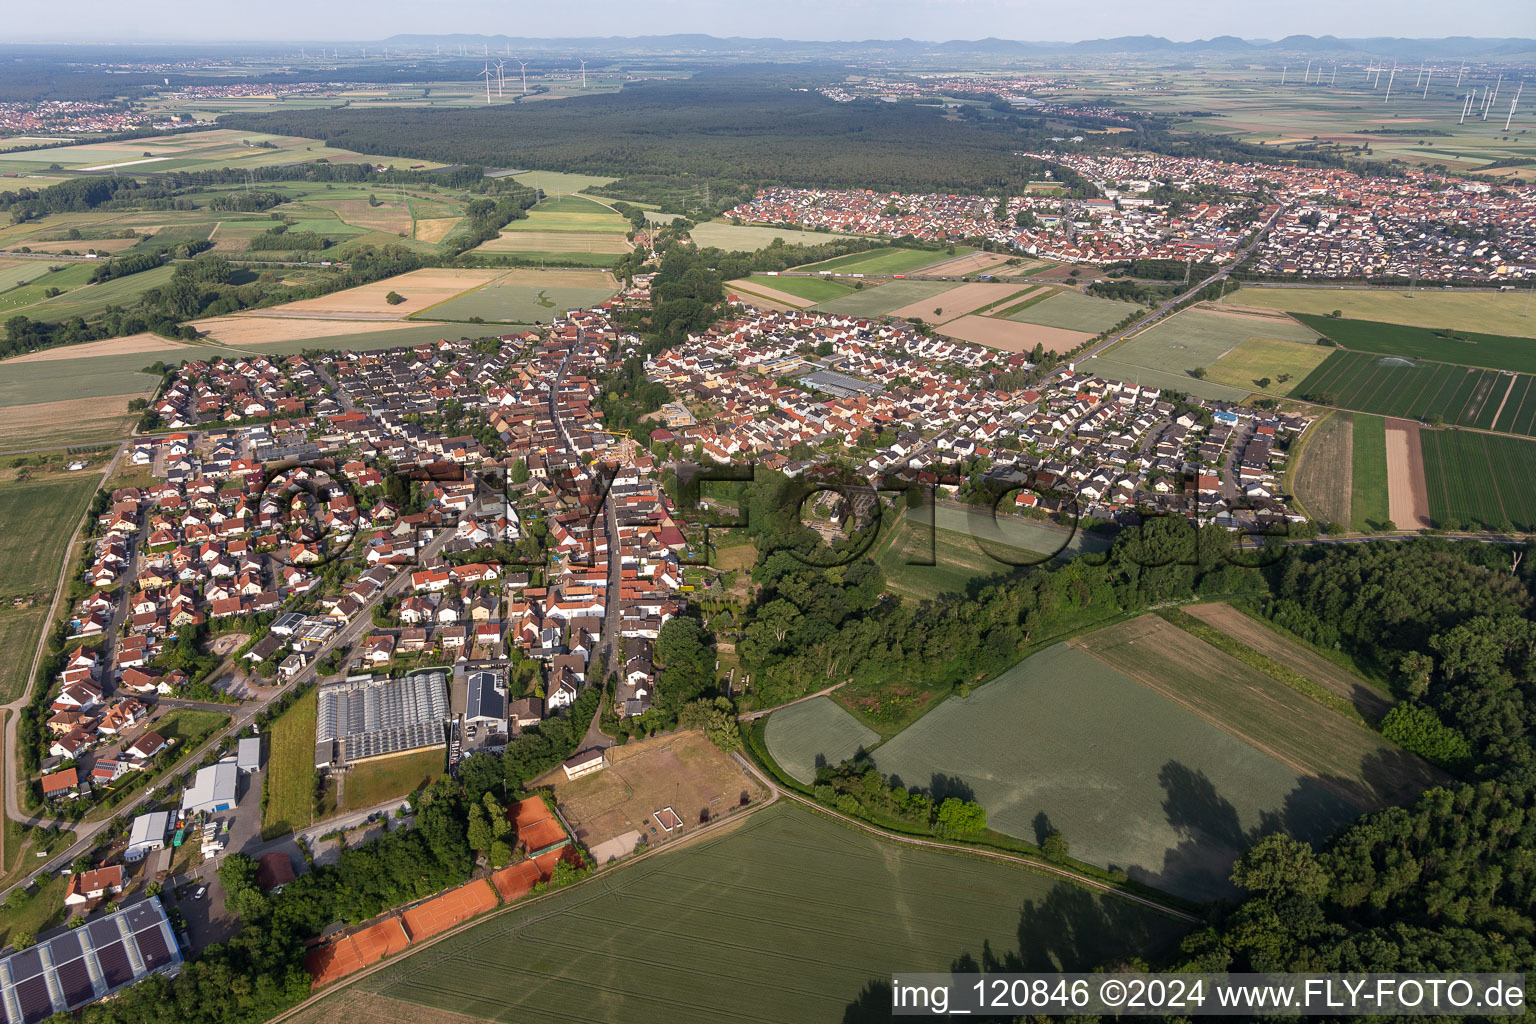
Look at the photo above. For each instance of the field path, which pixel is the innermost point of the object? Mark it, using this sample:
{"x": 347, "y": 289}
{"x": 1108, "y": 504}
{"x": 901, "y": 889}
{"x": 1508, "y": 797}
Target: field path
{"x": 1507, "y": 392}
{"x": 1407, "y": 495}
{"x": 750, "y": 715}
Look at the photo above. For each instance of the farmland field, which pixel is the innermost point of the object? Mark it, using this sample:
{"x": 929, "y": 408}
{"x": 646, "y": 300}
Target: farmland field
{"x": 959, "y": 300}
{"x": 1132, "y": 779}
{"x": 1271, "y": 643}
{"x": 1480, "y": 481}
{"x": 880, "y": 300}
{"x": 15, "y": 272}
{"x": 1012, "y": 336}
{"x": 36, "y": 518}
{"x": 742, "y": 238}
{"x": 1323, "y": 477}
{"x": 1392, "y": 386}
{"x": 724, "y": 923}
{"x": 820, "y": 728}
{"x": 527, "y": 296}
{"x": 203, "y": 150}
{"x": 419, "y": 288}
{"x": 1074, "y": 311}
{"x": 811, "y": 289}
{"x": 559, "y": 181}
{"x": 89, "y": 299}
{"x": 1281, "y": 362}
{"x": 957, "y": 557}
{"x": 387, "y": 778}
{"x": 290, "y": 772}
{"x": 1164, "y": 355}
{"x": 1491, "y": 351}
{"x": 73, "y": 421}
{"x": 1497, "y": 311}
{"x": 244, "y": 333}
{"x": 879, "y": 261}
{"x": 1368, "y": 507}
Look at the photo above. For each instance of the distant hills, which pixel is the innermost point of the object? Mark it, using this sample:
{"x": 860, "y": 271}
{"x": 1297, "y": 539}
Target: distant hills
{"x": 1454, "y": 47}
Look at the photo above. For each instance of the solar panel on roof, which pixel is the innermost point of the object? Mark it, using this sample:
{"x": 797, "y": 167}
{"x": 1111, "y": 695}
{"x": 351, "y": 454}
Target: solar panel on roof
{"x": 152, "y": 947}
{"x": 140, "y": 916}
{"x": 75, "y": 983}
{"x": 35, "y": 1002}
{"x": 25, "y": 965}
{"x": 64, "y": 947}
{"x": 103, "y": 932}
{"x": 114, "y": 965}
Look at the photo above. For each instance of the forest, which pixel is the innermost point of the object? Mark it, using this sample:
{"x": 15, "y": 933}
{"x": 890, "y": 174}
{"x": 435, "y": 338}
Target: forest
{"x": 677, "y": 129}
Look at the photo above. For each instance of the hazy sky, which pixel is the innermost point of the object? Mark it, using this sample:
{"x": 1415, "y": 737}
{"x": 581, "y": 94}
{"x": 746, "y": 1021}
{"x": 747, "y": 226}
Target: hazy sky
{"x": 342, "y": 20}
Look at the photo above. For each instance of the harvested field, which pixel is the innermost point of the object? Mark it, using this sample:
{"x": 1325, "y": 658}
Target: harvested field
{"x": 762, "y": 301}
{"x": 979, "y": 262}
{"x": 420, "y": 288}
{"x": 257, "y": 332}
{"x": 1252, "y": 633}
{"x": 757, "y": 290}
{"x": 1322, "y": 476}
{"x": 711, "y": 932}
{"x": 72, "y": 421}
{"x": 816, "y": 730}
{"x": 879, "y": 298}
{"x": 435, "y": 229}
{"x": 957, "y": 301}
{"x": 1502, "y": 312}
{"x": 532, "y": 241}
{"x": 456, "y": 906}
{"x": 390, "y": 215}
{"x": 1407, "y": 496}
{"x": 1010, "y": 336}
{"x": 131, "y": 344}
{"x": 684, "y": 771}
{"x": 1340, "y": 756}
{"x": 527, "y": 296}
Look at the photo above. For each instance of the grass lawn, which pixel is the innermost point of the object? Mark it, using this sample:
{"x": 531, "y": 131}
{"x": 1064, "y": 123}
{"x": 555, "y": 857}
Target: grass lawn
{"x": 882, "y": 261}
{"x": 40, "y": 911}
{"x": 290, "y": 773}
{"x": 821, "y": 728}
{"x": 1074, "y": 311}
{"x": 1281, "y": 363}
{"x": 389, "y": 778}
{"x": 1323, "y": 472}
{"x": 190, "y": 727}
{"x": 815, "y": 289}
{"x": 723, "y": 923}
{"x": 1494, "y": 351}
{"x": 1368, "y": 477}
{"x": 1495, "y": 311}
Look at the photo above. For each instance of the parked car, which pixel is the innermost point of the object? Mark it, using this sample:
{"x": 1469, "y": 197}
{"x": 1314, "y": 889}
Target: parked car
{"x": 200, "y": 891}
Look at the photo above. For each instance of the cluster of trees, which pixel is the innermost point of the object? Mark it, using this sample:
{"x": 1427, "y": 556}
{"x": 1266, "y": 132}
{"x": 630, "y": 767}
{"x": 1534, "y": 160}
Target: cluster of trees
{"x": 73, "y": 196}
{"x": 671, "y": 130}
{"x": 856, "y": 787}
{"x": 484, "y": 218}
{"x": 137, "y": 263}
{"x": 279, "y": 237}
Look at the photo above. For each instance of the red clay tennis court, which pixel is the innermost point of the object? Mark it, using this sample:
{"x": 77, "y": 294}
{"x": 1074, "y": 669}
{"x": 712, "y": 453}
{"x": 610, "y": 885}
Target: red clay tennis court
{"x": 449, "y": 909}
{"x": 537, "y": 827}
{"x": 516, "y": 881}
{"x": 349, "y": 953}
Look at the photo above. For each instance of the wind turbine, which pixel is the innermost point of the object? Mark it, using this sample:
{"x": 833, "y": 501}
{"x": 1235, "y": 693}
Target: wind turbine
{"x": 1512, "y": 103}
{"x": 1460, "y": 74}
{"x": 1390, "y": 79}
{"x": 1427, "y": 79}
{"x": 1283, "y": 69}
{"x": 1494, "y": 98}
{"x": 583, "y": 74}
{"x": 1307, "y": 78}
{"x": 501, "y": 79}
{"x": 486, "y": 74}
{"x": 1334, "y": 77}
{"x": 524, "y": 65}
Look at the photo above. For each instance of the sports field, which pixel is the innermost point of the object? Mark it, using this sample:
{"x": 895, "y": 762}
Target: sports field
{"x": 1392, "y": 386}
{"x": 527, "y": 296}
{"x": 1324, "y": 472}
{"x": 1479, "y": 481}
{"x": 748, "y": 238}
{"x": 881, "y": 261}
{"x": 1132, "y": 779}
{"x": 1371, "y": 702}
{"x": 612, "y": 809}
{"x": 1368, "y": 505}
{"x": 879, "y": 299}
{"x": 815, "y": 730}
{"x": 808, "y": 289}
{"x": 713, "y": 932}
{"x": 1074, "y": 311}
{"x": 290, "y": 772}
{"x": 1257, "y": 360}
{"x": 1501, "y": 312}
{"x": 1492, "y": 351}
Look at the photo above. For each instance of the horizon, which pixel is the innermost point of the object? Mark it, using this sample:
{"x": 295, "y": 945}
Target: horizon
{"x": 898, "y": 20}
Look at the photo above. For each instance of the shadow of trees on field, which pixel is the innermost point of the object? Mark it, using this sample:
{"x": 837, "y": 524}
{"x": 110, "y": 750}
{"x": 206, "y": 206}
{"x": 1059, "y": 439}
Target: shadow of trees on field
{"x": 1069, "y": 929}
